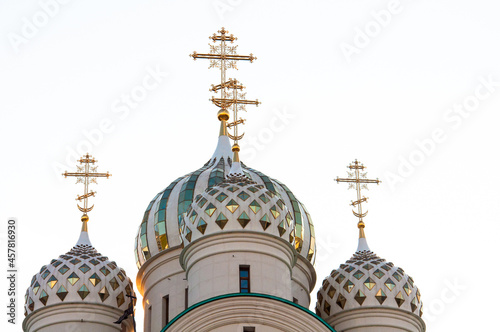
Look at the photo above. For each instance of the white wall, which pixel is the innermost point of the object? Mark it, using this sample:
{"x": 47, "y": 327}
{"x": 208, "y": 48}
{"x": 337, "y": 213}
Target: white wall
{"x": 76, "y": 317}
{"x": 373, "y": 319}
{"x": 212, "y": 265}
{"x": 303, "y": 281}
{"x": 160, "y": 276}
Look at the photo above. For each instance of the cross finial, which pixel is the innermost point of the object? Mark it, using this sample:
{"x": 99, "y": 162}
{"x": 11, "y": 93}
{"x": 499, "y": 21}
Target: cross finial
{"x": 86, "y": 174}
{"x": 236, "y": 99}
{"x": 223, "y": 56}
{"x": 357, "y": 180}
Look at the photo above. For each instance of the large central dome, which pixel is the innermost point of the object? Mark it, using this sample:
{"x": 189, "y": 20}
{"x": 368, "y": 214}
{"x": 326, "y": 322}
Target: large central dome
{"x": 237, "y": 198}
{"x": 160, "y": 227}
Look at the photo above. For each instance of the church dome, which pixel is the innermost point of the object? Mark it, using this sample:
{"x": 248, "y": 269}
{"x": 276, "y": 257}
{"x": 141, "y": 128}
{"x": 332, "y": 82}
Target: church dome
{"x": 237, "y": 204}
{"x": 365, "y": 281}
{"x": 160, "y": 227}
{"x": 82, "y": 275}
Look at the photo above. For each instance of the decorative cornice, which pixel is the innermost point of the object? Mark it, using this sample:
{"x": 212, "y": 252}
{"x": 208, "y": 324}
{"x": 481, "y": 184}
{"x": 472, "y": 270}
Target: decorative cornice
{"x": 248, "y": 295}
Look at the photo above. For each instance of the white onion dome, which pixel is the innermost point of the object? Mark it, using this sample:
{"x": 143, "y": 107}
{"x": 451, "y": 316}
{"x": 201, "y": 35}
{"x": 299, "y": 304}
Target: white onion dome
{"x": 237, "y": 204}
{"x": 160, "y": 227}
{"x": 82, "y": 275}
{"x": 364, "y": 281}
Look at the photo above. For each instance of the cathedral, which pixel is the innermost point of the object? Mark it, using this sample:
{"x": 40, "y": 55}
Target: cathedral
{"x": 223, "y": 248}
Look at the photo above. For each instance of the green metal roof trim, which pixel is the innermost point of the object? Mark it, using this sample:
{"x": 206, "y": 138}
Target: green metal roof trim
{"x": 225, "y": 296}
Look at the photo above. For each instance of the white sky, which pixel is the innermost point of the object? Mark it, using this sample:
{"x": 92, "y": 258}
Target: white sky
{"x": 435, "y": 222}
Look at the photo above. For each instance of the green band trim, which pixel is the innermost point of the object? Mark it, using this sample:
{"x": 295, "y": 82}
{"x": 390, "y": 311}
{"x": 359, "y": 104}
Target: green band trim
{"x": 225, "y": 296}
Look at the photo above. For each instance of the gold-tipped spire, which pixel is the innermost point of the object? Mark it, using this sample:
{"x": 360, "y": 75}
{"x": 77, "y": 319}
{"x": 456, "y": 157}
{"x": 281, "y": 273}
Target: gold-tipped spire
{"x": 362, "y": 231}
{"x": 85, "y": 219}
{"x": 223, "y": 56}
{"x": 357, "y": 180}
{"x": 223, "y": 116}
{"x": 86, "y": 174}
{"x": 236, "y": 150}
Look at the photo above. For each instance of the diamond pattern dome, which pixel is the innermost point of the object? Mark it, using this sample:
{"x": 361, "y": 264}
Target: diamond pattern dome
{"x": 160, "y": 227}
{"x": 238, "y": 204}
{"x": 80, "y": 275}
{"x": 366, "y": 280}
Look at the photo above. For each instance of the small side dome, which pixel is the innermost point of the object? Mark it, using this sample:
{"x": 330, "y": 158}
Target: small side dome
{"x": 81, "y": 275}
{"x": 237, "y": 204}
{"x": 366, "y": 280}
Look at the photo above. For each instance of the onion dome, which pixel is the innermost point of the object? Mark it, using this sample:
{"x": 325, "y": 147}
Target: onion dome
{"x": 160, "y": 227}
{"x": 366, "y": 280}
{"x": 237, "y": 204}
{"x": 82, "y": 275}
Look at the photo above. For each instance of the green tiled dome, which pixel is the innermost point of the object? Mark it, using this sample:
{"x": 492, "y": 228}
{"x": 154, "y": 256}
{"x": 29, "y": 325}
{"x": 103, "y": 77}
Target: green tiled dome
{"x": 160, "y": 227}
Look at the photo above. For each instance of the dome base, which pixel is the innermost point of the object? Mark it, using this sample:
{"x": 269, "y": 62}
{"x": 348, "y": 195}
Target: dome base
{"x": 77, "y": 317}
{"x": 376, "y": 319}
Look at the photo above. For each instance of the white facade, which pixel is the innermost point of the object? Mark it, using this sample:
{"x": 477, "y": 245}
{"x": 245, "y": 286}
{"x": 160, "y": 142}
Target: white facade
{"x": 212, "y": 265}
{"x": 211, "y": 269}
{"x": 76, "y": 317}
{"x": 162, "y": 283}
{"x": 303, "y": 281}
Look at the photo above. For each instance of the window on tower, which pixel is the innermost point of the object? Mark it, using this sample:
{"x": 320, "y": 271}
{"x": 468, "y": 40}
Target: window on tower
{"x": 148, "y": 320}
{"x": 166, "y": 305}
{"x": 244, "y": 279}
{"x": 248, "y": 329}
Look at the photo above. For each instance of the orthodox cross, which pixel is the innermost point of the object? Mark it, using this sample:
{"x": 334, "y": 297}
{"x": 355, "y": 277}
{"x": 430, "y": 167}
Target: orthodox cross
{"x": 86, "y": 174}
{"x": 357, "y": 180}
{"x": 223, "y": 56}
{"x": 237, "y": 100}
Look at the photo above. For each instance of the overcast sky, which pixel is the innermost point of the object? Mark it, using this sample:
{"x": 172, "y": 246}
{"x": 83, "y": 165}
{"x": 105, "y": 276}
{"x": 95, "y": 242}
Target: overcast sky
{"x": 410, "y": 88}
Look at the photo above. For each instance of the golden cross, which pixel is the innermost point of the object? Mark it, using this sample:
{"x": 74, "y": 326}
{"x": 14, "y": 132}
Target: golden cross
{"x": 238, "y": 101}
{"x": 222, "y": 56}
{"x": 86, "y": 174}
{"x": 357, "y": 180}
